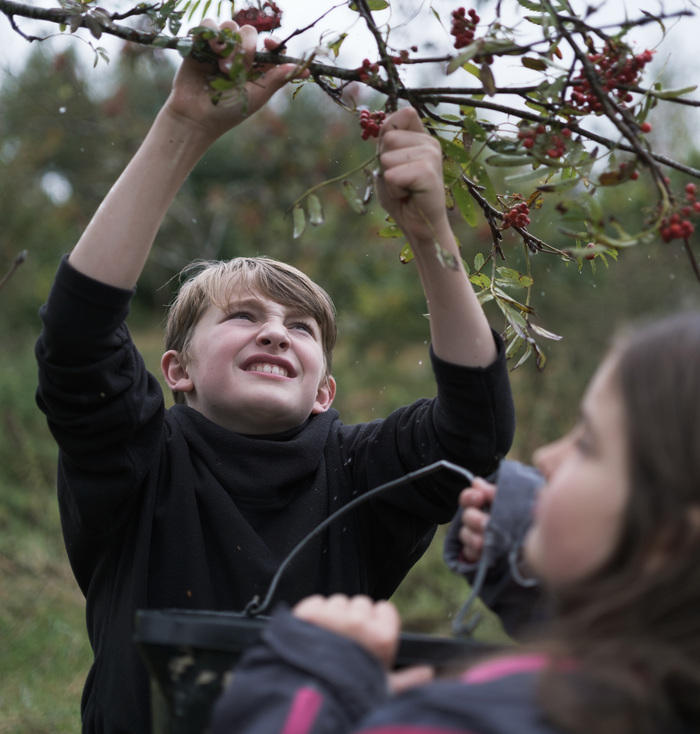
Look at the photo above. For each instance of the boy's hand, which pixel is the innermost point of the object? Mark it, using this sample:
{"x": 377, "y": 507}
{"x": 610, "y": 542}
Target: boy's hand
{"x": 476, "y": 501}
{"x": 191, "y": 95}
{"x": 410, "y": 182}
{"x": 373, "y": 625}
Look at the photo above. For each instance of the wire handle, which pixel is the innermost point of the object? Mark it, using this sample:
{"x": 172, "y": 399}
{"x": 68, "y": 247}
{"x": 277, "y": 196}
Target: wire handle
{"x": 255, "y": 606}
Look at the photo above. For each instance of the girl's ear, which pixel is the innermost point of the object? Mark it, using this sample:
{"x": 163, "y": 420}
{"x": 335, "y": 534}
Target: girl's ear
{"x": 175, "y": 372}
{"x": 324, "y": 396}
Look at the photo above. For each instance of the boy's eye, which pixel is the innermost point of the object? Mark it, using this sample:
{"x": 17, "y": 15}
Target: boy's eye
{"x": 241, "y": 315}
{"x": 303, "y": 326}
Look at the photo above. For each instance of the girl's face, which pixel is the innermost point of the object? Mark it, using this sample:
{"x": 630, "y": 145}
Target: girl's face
{"x": 579, "y": 513}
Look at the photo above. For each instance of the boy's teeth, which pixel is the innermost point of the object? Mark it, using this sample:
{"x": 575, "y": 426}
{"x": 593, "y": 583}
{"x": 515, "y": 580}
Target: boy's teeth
{"x": 269, "y": 368}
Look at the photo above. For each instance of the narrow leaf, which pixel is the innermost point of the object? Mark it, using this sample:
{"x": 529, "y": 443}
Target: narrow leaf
{"x": 315, "y": 210}
{"x": 350, "y": 194}
{"x": 299, "y": 219}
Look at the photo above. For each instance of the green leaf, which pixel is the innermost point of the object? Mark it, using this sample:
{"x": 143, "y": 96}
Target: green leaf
{"x": 184, "y": 47}
{"x": 479, "y": 262}
{"x": 510, "y": 277}
{"x": 480, "y": 279}
{"x": 461, "y": 59}
{"x": 561, "y": 185}
{"x": 455, "y": 151}
{"x": 672, "y": 93}
{"x": 315, "y": 210}
{"x": 390, "y": 232}
{"x": 334, "y": 46}
{"x": 535, "y": 7}
{"x": 406, "y": 254}
{"x": 372, "y": 5}
{"x": 508, "y": 161}
{"x": 351, "y": 196}
{"x": 465, "y": 203}
{"x": 299, "y": 219}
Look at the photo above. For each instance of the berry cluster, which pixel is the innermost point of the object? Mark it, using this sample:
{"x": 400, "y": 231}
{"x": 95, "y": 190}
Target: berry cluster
{"x": 402, "y": 58}
{"x": 265, "y": 17}
{"x": 678, "y": 226}
{"x": 367, "y": 70}
{"x": 633, "y": 175}
{"x": 617, "y": 70}
{"x": 516, "y": 216}
{"x": 554, "y": 145}
{"x": 463, "y": 27}
{"x": 371, "y": 122}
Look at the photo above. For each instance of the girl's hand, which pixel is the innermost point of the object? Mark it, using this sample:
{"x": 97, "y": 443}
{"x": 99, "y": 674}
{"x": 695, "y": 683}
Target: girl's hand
{"x": 374, "y": 625}
{"x": 476, "y": 501}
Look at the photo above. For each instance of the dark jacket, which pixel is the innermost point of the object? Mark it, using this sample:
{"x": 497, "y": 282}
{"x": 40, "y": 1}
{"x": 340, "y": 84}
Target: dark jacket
{"x": 306, "y": 680}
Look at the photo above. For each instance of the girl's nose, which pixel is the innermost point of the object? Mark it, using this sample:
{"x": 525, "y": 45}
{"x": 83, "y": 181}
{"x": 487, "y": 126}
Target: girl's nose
{"x": 547, "y": 457}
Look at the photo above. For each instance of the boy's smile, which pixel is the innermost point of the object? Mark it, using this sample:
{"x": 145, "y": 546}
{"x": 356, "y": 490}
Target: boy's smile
{"x": 255, "y": 368}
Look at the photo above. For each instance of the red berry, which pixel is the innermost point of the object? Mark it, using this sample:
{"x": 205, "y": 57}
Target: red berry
{"x": 645, "y": 127}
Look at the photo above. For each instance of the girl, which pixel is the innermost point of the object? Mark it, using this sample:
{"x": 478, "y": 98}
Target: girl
{"x": 615, "y": 542}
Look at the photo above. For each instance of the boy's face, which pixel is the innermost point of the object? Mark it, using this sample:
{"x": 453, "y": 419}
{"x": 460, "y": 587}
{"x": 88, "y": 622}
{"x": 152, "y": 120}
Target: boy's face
{"x": 255, "y": 368}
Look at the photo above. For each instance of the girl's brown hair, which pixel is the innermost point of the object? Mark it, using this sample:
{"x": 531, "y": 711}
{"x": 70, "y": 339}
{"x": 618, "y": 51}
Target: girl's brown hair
{"x": 634, "y": 627}
{"x": 215, "y": 282}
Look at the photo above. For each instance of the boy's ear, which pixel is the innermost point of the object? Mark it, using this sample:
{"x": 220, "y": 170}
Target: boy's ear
{"x": 175, "y": 372}
{"x": 324, "y": 396}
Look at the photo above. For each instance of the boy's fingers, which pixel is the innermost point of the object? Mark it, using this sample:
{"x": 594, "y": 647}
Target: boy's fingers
{"x": 403, "y": 119}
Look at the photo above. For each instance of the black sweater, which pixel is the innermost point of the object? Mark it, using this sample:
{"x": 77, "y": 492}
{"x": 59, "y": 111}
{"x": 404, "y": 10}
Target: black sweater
{"x": 164, "y": 509}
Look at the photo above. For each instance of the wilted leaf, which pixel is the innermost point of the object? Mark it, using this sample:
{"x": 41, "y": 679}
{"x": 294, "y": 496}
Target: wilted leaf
{"x": 487, "y": 79}
{"x": 315, "y": 210}
{"x": 299, "y": 219}
{"x": 544, "y": 333}
{"x": 350, "y": 194}
{"x": 369, "y": 186}
{"x": 446, "y": 259}
{"x": 535, "y": 64}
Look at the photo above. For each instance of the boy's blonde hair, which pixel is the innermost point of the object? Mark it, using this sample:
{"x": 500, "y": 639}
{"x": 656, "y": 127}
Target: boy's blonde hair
{"x": 215, "y": 282}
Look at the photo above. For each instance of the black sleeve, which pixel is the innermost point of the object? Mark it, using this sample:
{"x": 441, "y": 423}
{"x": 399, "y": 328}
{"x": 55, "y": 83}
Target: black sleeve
{"x": 103, "y": 408}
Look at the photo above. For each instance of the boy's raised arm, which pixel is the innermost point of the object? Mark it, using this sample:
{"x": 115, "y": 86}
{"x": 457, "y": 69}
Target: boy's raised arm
{"x": 411, "y": 190}
{"x": 116, "y": 244}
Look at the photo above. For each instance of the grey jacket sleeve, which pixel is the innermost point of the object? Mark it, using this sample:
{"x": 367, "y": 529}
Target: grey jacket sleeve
{"x": 517, "y": 600}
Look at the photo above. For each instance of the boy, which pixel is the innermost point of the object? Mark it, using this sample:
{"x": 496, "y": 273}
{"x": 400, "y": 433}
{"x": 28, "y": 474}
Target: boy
{"x": 195, "y": 507}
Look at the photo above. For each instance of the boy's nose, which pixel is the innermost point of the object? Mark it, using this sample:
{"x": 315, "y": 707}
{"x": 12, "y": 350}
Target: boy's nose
{"x": 273, "y": 333}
